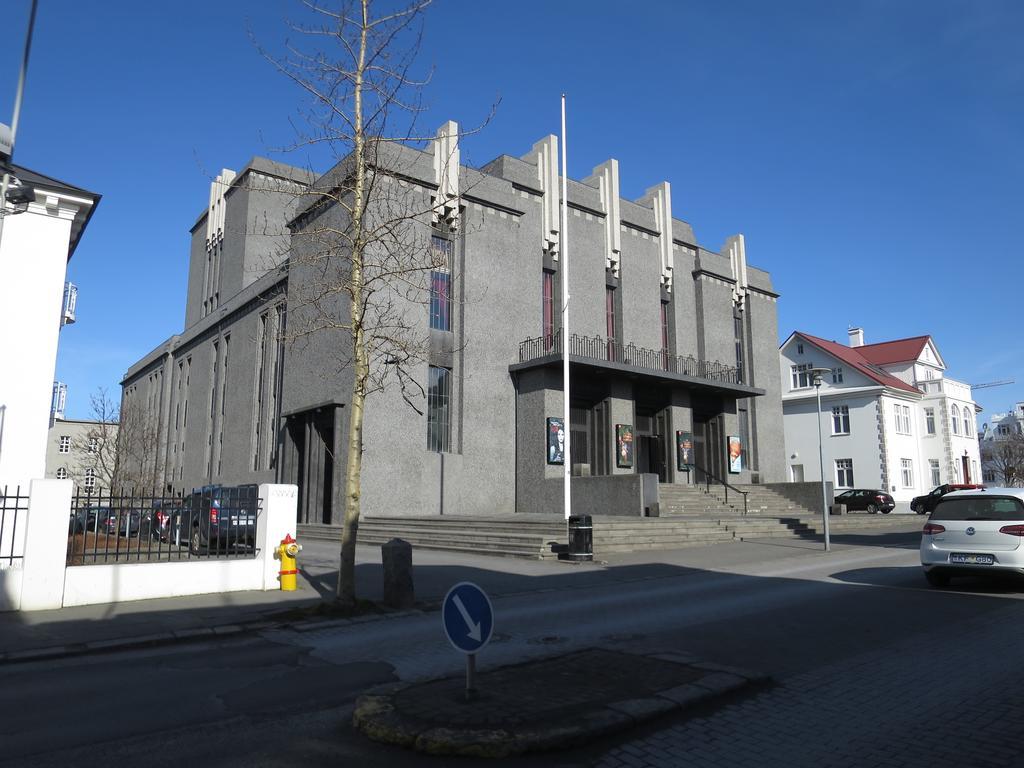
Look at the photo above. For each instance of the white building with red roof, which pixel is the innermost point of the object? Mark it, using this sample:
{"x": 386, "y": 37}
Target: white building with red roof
{"x": 890, "y": 417}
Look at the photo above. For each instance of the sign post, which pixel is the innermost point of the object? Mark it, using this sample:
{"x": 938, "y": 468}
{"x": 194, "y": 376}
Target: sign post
{"x": 468, "y": 619}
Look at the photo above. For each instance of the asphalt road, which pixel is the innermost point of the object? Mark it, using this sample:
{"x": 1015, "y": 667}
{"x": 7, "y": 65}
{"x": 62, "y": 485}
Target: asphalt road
{"x": 284, "y": 698}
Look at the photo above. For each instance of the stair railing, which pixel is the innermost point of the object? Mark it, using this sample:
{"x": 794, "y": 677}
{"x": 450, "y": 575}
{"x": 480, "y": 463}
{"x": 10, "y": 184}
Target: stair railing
{"x": 708, "y": 477}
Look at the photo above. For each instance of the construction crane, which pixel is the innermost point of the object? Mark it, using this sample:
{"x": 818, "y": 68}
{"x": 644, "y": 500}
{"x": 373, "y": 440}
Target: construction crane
{"x": 988, "y": 384}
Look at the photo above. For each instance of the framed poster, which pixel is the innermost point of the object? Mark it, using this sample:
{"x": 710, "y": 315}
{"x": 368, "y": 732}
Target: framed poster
{"x": 556, "y": 440}
{"x": 684, "y": 451}
{"x": 735, "y": 455}
{"x": 624, "y": 445}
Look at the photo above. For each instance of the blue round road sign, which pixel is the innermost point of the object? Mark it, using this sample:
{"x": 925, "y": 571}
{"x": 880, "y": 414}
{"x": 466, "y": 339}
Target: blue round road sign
{"x": 468, "y": 617}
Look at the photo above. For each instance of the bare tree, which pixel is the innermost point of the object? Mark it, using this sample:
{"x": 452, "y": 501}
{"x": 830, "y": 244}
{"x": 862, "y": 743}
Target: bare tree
{"x": 1004, "y": 455}
{"x": 125, "y": 441}
{"x": 361, "y": 262}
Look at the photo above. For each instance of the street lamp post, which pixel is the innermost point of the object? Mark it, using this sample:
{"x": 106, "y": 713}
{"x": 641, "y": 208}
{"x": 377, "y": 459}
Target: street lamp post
{"x": 817, "y": 373}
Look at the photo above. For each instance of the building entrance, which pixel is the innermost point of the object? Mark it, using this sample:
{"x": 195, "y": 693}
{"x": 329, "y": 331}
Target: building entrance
{"x": 708, "y": 446}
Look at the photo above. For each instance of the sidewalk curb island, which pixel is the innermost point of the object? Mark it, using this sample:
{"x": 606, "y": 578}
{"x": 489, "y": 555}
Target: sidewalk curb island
{"x": 378, "y": 716}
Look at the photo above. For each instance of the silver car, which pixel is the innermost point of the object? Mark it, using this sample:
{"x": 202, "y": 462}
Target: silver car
{"x": 974, "y": 533}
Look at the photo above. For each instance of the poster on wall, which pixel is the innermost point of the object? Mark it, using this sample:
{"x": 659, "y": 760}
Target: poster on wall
{"x": 556, "y": 440}
{"x": 624, "y": 445}
{"x": 684, "y": 451}
{"x": 735, "y": 455}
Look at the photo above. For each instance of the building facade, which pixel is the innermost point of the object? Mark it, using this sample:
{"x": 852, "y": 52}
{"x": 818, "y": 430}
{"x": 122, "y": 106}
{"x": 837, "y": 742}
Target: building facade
{"x": 81, "y": 450}
{"x": 1002, "y": 448}
{"x": 672, "y": 346}
{"x": 890, "y": 417}
{"x": 35, "y": 247}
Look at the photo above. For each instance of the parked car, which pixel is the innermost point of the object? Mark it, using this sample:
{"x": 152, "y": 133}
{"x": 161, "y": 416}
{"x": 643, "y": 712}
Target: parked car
{"x": 157, "y": 521}
{"x": 925, "y": 504}
{"x": 219, "y": 518}
{"x": 122, "y": 522}
{"x": 865, "y": 500}
{"x": 973, "y": 533}
{"x": 87, "y": 519}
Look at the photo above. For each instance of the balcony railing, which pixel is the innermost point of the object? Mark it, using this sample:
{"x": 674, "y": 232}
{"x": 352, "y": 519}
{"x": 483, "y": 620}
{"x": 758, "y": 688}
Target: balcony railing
{"x": 608, "y": 350}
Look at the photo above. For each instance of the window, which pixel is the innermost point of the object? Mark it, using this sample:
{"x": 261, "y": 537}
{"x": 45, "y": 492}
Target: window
{"x": 802, "y": 376}
{"x": 737, "y": 332}
{"x": 1003, "y": 429}
{"x": 62, "y": 473}
{"x": 929, "y": 421}
{"x": 90, "y": 479}
{"x": 65, "y": 444}
{"x": 933, "y": 465}
{"x": 844, "y": 473}
{"x": 439, "y": 396}
{"x": 440, "y": 284}
{"x": 907, "y": 473}
{"x": 837, "y": 375}
{"x": 549, "y": 309}
{"x": 967, "y": 422}
{"x": 799, "y": 349}
{"x": 841, "y": 420}
{"x": 94, "y": 444}
{"x": 902, "y": 418}
{"x": 955, "y": 420}
{"x": 664, "y": 334}
{"x": 609, "y": 319}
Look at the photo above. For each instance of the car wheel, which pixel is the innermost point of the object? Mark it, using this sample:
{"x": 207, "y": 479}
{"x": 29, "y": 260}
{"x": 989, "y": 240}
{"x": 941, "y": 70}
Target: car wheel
{"x": 195, "y": 543}
{"x": 872, "y": 509}
{"x": 919, "y": 508}
{"x": 886, "y": 511}
{"x": 937, "y": 578}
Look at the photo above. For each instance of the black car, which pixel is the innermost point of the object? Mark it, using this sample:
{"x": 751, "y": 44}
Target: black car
{"x": 87, "y": 519}
{"x": 923, "y": 505}
{"x": 866, "y": 500}
{"x": 217, "y": 518}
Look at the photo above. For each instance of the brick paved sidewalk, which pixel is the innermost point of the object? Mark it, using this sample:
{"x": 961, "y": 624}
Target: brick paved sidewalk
{"x": 931, "y": 702}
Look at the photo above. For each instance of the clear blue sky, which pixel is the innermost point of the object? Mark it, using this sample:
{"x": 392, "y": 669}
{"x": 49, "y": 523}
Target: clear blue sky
{"x": 871, "y": 152}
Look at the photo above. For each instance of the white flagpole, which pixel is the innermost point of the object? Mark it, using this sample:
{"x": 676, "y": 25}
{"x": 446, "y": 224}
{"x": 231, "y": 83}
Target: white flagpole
{"x": 564, "y": 256}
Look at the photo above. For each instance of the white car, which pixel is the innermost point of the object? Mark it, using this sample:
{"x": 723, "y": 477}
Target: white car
{"x": 974, "y": 533}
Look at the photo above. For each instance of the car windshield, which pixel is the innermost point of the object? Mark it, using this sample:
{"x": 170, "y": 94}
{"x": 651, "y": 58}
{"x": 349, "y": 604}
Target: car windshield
{"x": 979, "y": 508}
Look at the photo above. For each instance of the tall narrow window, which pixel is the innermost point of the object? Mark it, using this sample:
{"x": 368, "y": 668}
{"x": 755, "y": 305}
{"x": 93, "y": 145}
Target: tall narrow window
{"x": 440, "y": 284}
{"x": 967, "y": 423}
{"x": 837, "y": 375}
{"x": 737, "y": 332}
{"x": 841, "y": 420}
{"x": 955, "y": 420}
{"x": 548, "y": 299}
{"x": 213, "y": 408}
{"x": 439, "y": 397}
{"x": 665, "y": 351}
{"x": 844, "y": 473}
{"x": 744, "y": 419}
{"x": 223, "y": 405}
{"x": 933, "y": 465}
{"x": 260, "y": 386}
{"x": 907, "y": 472}
{"x": 929, "y": 421}
{"x": 609, "y": 320}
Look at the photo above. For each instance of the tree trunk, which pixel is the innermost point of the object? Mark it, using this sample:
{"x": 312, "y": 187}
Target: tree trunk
{"x": 353, "y": 469}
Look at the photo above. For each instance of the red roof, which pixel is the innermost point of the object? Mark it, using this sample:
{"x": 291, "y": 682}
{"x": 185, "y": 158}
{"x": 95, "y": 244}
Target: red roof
{"x": 899, "y": 351}
{"x": 852, "y": 356}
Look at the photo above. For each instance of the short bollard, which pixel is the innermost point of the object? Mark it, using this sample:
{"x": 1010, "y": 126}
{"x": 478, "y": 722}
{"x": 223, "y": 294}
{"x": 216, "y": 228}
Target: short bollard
{"x": 286, "y": 552}
{"x": 396, "y": 556}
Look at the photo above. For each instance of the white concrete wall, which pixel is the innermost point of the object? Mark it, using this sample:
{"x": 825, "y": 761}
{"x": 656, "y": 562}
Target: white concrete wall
{"x": 44, "y": 581}
{"x": 33, "y": 265}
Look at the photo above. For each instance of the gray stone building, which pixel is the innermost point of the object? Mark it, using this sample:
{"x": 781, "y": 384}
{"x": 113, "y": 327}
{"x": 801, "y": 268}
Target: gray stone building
{"x": 670, "y": 341}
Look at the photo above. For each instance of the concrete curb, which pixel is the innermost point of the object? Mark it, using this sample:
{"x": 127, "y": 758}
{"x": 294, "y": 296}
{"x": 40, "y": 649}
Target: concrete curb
{"x": 190, "y": 635}
{"x": 376, "y": 716}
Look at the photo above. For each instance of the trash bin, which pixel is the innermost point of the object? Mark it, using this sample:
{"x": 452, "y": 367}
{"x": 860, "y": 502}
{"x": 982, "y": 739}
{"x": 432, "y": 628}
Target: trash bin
{"x": 581, "y": 538}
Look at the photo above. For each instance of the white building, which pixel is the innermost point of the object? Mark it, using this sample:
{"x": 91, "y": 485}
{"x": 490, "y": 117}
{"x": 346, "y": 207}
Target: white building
{"x": 890, "y": 419}
{"x": 35, "y": 247}
{"x": 1002, "y": 447}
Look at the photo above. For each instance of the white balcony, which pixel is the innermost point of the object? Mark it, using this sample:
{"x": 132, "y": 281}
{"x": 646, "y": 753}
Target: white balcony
{"x": 67, "y": 315}
{"x": 945, "y": 386}
{"x": 59, "y": 401}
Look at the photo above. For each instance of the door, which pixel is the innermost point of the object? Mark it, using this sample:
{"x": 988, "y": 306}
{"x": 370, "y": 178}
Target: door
{"x": 796, "y": 473}
{"x": 707, "y": 446}
{"x": 967, "y": 469}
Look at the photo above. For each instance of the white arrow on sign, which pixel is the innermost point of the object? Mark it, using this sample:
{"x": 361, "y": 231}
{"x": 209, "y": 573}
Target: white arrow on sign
{"x": 474, "y": 627}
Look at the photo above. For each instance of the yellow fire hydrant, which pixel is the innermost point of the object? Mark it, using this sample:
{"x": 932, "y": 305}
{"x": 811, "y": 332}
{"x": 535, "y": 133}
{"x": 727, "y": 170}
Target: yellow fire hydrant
{"x": 286, "y": 552}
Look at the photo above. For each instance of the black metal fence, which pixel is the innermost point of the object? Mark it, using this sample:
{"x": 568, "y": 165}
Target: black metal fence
{"x": 131, "y": 527}
{"x": 600, "y": 348}
{"x": 12, "y": 504}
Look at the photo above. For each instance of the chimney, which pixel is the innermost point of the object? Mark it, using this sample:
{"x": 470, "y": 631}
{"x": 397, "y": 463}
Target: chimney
{"x": 856, "y": 337}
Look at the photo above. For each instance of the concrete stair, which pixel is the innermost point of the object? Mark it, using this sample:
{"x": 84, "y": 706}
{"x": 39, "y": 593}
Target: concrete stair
{"x": 508, "y": 536}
